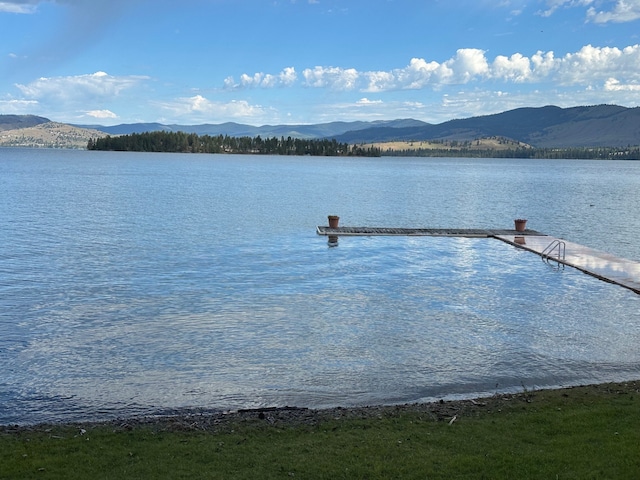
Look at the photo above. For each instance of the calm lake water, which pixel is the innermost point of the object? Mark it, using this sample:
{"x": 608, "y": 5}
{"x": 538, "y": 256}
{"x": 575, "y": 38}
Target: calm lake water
{"x": 147, "y": 283}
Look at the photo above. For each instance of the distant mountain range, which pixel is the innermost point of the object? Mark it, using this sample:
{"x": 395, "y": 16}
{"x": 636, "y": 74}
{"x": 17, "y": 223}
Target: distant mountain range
{"x": 544, "y": 127}
{"x": 321, "y": 130}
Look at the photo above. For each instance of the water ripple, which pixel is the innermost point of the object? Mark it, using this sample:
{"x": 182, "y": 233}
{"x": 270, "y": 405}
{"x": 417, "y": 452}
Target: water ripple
{"x": 157, "y": 285}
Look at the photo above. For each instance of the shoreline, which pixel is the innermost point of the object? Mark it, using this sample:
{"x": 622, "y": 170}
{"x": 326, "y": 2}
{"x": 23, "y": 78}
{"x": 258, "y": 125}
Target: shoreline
{"x": 284, "y": 417}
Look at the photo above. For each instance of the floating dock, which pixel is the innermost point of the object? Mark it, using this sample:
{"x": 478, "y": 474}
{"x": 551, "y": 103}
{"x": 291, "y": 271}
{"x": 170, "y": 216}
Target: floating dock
{"x": 419, "y": 232}
{"x": 601, "y": 265}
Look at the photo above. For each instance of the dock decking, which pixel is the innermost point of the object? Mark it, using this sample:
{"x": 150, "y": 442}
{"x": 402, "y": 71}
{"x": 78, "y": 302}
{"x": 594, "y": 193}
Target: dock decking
{"x": 422, "y": 232}
{"x": 601, "y": 265}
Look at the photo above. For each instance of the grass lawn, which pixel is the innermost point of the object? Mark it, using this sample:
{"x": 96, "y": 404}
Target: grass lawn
{"x": 590, "y": 432}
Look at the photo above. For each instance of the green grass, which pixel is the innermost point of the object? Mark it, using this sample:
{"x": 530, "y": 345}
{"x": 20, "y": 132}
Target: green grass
{"x": 583, "y": 433}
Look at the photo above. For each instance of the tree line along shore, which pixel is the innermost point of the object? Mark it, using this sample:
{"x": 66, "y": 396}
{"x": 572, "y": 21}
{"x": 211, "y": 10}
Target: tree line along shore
{"x": 180, "y": 142}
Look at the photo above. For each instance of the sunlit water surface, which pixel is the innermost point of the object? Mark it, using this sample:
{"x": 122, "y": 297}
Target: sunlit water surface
{"x": 139, "y": 284}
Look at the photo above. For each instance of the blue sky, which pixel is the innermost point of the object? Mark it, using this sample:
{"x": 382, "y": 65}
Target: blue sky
{"x": 312, "y": 61}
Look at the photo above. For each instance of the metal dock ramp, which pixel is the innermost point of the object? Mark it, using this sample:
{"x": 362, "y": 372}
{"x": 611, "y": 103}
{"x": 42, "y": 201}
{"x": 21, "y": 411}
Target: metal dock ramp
{"x": 602, "y": 265}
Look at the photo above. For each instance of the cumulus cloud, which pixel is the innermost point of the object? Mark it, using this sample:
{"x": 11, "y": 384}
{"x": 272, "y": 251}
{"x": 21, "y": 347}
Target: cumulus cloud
{"x": 588, "y": 66}
{"x": 594, "y": 64}
{"x": 469, "y": 63}
{"x": 379, "y": 81}
{"x": 286, "y": 77}
{"x": 99, "y": 85}
{"x": 516, "y": 68}
{"x": 335, "y": 78}
{"x": 614, "y": 85}
{"x": 420, "y": 73}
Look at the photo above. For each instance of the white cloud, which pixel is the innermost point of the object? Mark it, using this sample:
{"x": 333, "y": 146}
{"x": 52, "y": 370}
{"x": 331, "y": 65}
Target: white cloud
{"x": 623, "y": 11}
{"x": 288, "y": 76}
{"x": 468, "y": 64}
{"x": 516, "y": 68}
{"x": 420, "y": 73}
{"x": 543, "y": 64}
{"x": 99, "y": 85}
{"x": 553, "y": 5}
{"x": 588, "y": 66}
{"x": 366, "y": 101}
{"x": 230, "y": 83}
{"x": 102, "y": 114}
{"x": 81, "y": 96}
{"x": 332, "y": 77}
{"x": 204, "y": 109}
{"x": 18, "y": 106}
{"x": 379, "y": 81}
{"x": 255, "y": 80}
{"x": 613, "y": 85}
{"x": 285, "y": 78}
{"x": 593, "y": 64}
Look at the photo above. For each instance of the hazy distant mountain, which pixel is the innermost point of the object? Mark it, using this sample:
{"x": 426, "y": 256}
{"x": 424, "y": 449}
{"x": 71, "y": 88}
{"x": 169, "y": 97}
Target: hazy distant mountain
{"x": 322, "y": 130}
{"x": 594, "y": 126}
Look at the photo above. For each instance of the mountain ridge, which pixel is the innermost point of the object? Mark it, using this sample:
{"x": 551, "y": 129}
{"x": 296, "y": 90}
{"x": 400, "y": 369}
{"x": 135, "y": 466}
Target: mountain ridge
{"x": 14, "y": 122}
{"x": 311, "y": 131}
{"x": 542, "y": 127}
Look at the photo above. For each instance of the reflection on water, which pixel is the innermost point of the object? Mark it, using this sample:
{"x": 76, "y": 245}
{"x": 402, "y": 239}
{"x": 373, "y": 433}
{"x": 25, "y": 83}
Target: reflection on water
{"x": 132, "y": 287}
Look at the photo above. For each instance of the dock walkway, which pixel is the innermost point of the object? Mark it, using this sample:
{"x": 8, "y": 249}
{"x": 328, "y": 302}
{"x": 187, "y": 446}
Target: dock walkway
{"x": 429, "y": 232}
{"x": 601, "y": 265}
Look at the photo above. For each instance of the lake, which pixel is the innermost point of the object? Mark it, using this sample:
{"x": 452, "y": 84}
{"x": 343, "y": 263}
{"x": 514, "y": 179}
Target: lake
{"x": 137, "y": 284}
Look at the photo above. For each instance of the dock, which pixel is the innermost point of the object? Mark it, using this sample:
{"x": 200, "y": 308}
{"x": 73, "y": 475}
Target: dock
{"x": 599, "y": 264}
{"x": 419, "y": 232}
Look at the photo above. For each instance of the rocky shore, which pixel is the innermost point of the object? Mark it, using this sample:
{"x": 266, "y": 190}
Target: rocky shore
{"x": 441, "y": 411}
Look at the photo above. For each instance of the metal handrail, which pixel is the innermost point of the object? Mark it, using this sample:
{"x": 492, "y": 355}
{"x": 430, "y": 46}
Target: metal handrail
{"x": 556, "y": 245}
